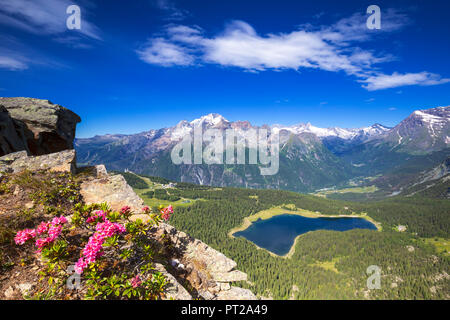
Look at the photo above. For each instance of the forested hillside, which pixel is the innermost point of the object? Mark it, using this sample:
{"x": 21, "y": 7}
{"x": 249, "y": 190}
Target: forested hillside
{"x": 326, "y": 264}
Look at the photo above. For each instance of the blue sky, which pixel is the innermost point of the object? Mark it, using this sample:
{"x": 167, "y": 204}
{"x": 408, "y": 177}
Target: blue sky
{"x": 143, "y": 64}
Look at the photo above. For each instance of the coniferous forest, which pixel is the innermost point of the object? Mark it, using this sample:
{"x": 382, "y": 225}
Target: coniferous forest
{"x": 326, "y": 264}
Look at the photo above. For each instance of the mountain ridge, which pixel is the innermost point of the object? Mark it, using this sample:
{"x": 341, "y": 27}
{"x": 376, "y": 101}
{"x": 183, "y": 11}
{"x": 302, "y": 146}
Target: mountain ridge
{"x": 310, "y": 157}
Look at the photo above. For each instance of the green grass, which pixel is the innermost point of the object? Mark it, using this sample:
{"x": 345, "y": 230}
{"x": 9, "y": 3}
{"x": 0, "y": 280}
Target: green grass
{"x": 327, "y": 265}
{"x": 154, "y": 202}
{"x": 369, "y": 189}
{"x": 441, "y": 245}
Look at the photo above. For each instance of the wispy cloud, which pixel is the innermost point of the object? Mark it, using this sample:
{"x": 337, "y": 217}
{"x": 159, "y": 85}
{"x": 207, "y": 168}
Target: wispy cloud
{"x": 46, "y": 17}
{"x": 10, "y": 63}
{"x": 174, "y": 13}
{"x": 17, "y": 56}
{"x": 385, "y": 81}
{"x": 11, "y": 54}
{"x": 331, "y": 48}
{"x": 40, "y": 17}
{"x": 165, "y": 53}
{"x": 354, "y": 28}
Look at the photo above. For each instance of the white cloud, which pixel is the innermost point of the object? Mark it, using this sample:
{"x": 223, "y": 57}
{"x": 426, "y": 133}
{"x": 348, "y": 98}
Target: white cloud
{"x": 330, "y": 48}
{"x": 43, "y": 17}
{"x": 11, "y": 63}
{"x": 161, "y": 52}
{"x": 354, "y": 27}
{"x": 174, "y": 13}
{"x": 385, "y": 81}
{"x": 239, "y": 45}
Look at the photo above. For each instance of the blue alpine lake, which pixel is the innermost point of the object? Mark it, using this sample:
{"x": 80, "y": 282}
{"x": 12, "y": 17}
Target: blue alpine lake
{"x": 278, "y": 233}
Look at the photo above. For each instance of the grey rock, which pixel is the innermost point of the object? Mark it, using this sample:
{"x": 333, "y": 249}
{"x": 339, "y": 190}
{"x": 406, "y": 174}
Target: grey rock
{"x": 194, "y": 249}
{"x": 100, "y": 171}
{"x": 11, "y": 157}
{"x": 63, "y": 161}
{"x": 213, "y": 268}
{"x": 9, "y": 139}
{"x": 40, "y": 126}
{"x": 236, "y": 293}
{"x": 224, "y": 286}
{"x": 9, "y": 293}
{"x": 174, "y": 289}
{"x": 231, "y": 276}
{"x": 205, "y": 294}
{"x": 25, "y": 287}
{"x": 112, "y": 189}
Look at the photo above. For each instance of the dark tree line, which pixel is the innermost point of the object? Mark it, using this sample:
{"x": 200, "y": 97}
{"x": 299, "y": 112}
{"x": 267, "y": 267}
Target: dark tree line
{"x": 405, "y": 274}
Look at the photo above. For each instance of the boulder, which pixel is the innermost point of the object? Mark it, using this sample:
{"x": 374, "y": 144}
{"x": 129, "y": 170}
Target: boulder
{"x": 173, "y": 290}
{"x": 9, "y": 139}
{"x": 212, "y": 270}
{"x": 231, "y": 276}
{"x": 40, "y": 126}
{"x": 9, "y": 293}
{"x": 112, "y": 189}
{"x": 63, "y": 161}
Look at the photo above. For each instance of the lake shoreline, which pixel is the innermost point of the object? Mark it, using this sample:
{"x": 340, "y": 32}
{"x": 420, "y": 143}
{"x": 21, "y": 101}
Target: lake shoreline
{"x": 279, "y": 210}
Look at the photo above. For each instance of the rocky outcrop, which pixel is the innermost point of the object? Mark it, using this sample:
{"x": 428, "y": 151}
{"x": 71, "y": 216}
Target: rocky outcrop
{"x": 63, "y": 161}
{"x": 208, "y": 271}
{"x": 112, "y": 189}
{"x": 174, "y": 290}
{"x": 9, "y": 139}
{"x": 36, "y": 126}
{"x": 38, "y": 135}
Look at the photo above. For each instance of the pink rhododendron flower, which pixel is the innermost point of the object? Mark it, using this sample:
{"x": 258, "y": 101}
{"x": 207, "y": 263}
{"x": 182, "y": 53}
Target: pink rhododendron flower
{"x": 97, "y": 215}
{"x": 24, "y": 235}
{"x": 52, "y": 228}
{"x": 146, "y": 209}
{"x": 43, "y": 227}
{"x": 166, "y": 212}
{"x": 125, "y": 210}
{"x": 40, "y": 243}
{"x": 59, "y": 221}
{"x": 136, "y": 281}
{"x": 93, "y": 248}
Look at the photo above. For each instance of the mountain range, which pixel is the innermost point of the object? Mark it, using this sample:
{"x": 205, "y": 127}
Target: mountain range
{"x": 310, "y": 157}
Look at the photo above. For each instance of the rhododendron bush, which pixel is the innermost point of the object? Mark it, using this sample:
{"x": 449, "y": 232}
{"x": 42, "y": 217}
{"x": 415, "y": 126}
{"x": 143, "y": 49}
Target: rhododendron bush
{"x": 112, "y": 255}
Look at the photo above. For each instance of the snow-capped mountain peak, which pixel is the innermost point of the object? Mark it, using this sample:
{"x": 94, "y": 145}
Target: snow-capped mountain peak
{"x": 423, "y": 130}
{"x": 343, "y": 133}
{"x": 212, "y": 119}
